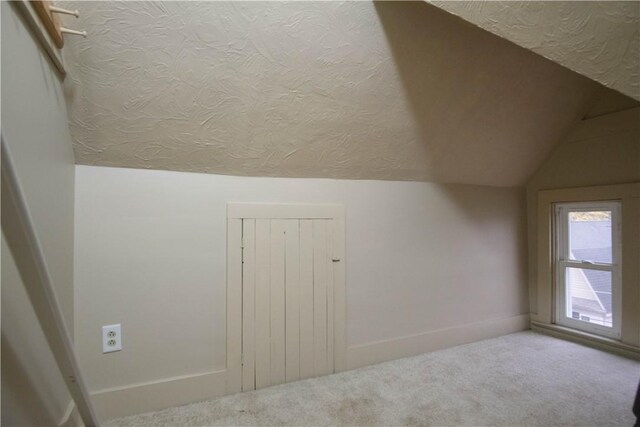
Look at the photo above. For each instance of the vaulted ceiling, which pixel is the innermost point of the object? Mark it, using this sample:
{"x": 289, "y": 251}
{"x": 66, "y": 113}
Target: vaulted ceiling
{"x": 390, "y": 90}
{"x": 598, "y": 39}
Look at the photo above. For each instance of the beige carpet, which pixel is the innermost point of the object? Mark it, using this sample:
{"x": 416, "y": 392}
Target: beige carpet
{"x": 519, "y": 379}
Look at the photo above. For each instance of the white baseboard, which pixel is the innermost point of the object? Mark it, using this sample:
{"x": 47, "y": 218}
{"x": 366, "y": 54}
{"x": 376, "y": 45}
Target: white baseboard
{"x": 585, "y": 338}
{"x": 412, "y": 345}
{"x": 153, "y": 396}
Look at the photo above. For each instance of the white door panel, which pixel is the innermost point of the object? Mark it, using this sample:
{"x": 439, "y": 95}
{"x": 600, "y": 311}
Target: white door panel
{"x": 292, "y": 300}
{"x": 287, "y": 300}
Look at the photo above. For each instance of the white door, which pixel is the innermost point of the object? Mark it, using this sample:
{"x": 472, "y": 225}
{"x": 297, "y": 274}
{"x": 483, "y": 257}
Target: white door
{"x": 285, "y": 294}
{"x": 287, "y": 300}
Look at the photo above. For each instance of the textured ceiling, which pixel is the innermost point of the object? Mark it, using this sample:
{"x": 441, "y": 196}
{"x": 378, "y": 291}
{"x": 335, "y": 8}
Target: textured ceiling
{"x": 598, "y": 39}
{"x": 401, "y": 91}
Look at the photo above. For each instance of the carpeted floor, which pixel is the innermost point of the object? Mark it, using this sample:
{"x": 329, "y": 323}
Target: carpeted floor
{"x": 519, "y": 379}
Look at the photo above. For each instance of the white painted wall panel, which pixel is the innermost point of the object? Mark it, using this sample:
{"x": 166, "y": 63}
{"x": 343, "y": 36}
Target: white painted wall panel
{"x": 35, "y": 128}
{"x": 150, "y": 249}
{"x": 33, "y": 390}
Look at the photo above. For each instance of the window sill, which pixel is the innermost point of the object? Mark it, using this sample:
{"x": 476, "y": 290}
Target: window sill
{"x": 591, "y": 340}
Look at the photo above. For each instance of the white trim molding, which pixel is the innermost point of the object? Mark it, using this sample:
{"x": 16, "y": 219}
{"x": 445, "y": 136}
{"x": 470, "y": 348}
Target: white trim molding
{"x": 412, "y": 345}
{"x": 155, "y": 395}
{"x": 629, "y": 196}
{"x": 585, "y": 338}
{"x": 283, "y": 211}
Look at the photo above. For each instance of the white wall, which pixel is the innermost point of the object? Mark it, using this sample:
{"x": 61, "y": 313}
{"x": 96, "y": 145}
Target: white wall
{"x": 150, "y": 254}
{"x": 604, "y": 150}
{"x": 33, "y": 390}
{"x": 35, "y": 127}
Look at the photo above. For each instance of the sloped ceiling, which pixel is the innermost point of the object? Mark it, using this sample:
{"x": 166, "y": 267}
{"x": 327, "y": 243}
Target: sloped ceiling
{"x": 395, "y": 91}
{"x": 598, "y": 39}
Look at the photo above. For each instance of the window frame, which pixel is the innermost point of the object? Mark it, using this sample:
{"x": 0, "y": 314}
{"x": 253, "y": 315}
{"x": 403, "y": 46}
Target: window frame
{"x": 562, "y": 262}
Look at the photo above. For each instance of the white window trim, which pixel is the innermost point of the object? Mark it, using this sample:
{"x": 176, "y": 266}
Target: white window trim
{"x": 543, "y": 316}
{"x": 563, "y": 261}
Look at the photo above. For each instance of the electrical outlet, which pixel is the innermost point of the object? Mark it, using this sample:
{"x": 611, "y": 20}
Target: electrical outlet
{"x": 111, "y": 338}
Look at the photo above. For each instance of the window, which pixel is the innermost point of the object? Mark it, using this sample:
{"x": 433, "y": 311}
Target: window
{"x": 587, "y": 266}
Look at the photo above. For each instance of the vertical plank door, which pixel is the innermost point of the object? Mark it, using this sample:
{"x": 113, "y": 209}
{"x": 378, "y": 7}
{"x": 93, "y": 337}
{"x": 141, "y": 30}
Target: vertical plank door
{"x": 287, "y": 305}
{"x": 234, "y": 299}
{"x": 307, "y": 364}
{"x": 277, "y": 301}
{"x": 248, "y": 304}
{"x": 330, "y": 296}
{"x": 320, "y": 296}
{"x": 262, "y": 302}
{"x": 292, "y": 300}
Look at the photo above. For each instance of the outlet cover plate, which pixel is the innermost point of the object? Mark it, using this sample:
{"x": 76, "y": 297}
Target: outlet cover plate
{"x": 111, "y": 338}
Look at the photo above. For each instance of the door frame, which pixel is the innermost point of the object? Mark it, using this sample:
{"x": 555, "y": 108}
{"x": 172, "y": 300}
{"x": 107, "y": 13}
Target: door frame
{"x": 236, "y": 212}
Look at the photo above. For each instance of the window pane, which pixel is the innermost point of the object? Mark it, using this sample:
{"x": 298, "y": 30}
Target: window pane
{"x": 590, "y": 236}
{"x": 589, "y": 296}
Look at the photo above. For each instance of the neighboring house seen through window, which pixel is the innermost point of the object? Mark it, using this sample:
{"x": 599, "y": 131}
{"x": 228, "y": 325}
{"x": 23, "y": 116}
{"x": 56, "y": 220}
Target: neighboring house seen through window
{"x": 587, "y": 265}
